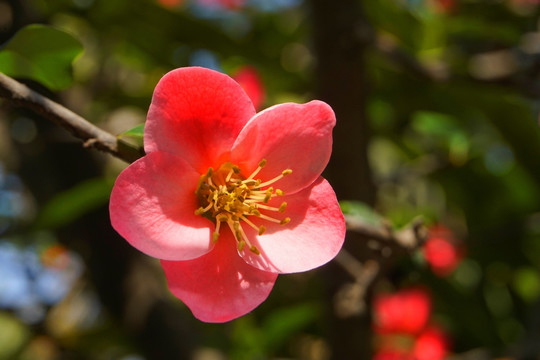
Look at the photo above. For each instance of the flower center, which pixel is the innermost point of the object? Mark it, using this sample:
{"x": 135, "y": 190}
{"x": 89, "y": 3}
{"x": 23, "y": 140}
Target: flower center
{"x": 227, "y": 197}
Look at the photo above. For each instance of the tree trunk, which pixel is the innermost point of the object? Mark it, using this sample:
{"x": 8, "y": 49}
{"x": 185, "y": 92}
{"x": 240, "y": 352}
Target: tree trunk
{"x": 341, "y": 82}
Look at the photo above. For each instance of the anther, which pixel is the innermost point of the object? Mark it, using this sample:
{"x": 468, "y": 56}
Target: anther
{"x": 262, "y": 229}
{"x": 254, "y": 250}
{"x": 285, "y": 221}
{"x": 268, "y": 195}
{"x": 256, "y": 212}
{"x": 286, "y": 172}
{"x": 215, "y": 237}
{"x": 282, "y": 207}
{"x": 279, "y": 192}
{"x": 241, "y": 245}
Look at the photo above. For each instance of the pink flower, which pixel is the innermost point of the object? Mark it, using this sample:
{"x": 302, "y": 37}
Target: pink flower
{"x": 227, "y": 198}
{"x": 248, "y": 77}
{"x": 406, "y": 311}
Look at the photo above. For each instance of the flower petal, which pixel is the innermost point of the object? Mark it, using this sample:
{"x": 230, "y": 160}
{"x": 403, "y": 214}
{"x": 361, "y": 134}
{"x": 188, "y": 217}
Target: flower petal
{"x": 295, "y": 136}
{"x": 218, "y": 286}
{"x": 313, "y": 237}
{"x": 196, "y": 113}
{"x": 152, "y": 206}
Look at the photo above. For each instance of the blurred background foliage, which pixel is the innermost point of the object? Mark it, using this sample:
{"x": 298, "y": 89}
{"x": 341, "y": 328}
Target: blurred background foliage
{"x": 449, "y": 92}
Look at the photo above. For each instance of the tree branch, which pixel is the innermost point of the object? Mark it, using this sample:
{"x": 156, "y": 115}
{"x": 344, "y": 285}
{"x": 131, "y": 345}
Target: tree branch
{"x": 92, "y": 136}
{"x": 409, "y": 238}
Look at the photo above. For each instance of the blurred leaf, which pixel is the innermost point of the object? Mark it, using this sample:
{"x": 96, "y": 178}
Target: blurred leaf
{"x": 361, "y": 210}
{"x": 12, "y": 336}
{"x": 75, "y": 202}
{"x": 248, "y": 341}
{"x": 394, "y": 18}
{"x": 283, "y": 323}
{"x": 432, "y": 123}
{"x": 41, "y": 53}
{"x": 527, "y": 283}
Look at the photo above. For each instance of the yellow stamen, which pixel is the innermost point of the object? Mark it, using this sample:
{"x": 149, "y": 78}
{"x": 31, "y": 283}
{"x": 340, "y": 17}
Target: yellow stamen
{"x": 250, "y": 223}
{"x": 270, "y": 219}
{"x": 266, "y": 207}
{"x": 229, "y": 175}
{"x": 226, "y": 196}
{"x": 262, "y": 164}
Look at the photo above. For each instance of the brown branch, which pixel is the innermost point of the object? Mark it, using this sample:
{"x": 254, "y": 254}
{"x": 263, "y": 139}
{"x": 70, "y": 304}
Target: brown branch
{"x": 92, "y": 136}
{"x": 409, "y": 238}
{"x": 351, "y": 299}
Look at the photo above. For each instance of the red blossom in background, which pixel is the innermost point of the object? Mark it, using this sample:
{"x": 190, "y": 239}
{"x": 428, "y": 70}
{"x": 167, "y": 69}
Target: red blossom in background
{"x": 228, "y": 198}
{"x": 441, "y": 251}
{"x": 406, "y": 311}
{"x": 402, "y": 322}
{"x": 432, "y": 344}
{"x": 248, "y": 77}
{"x": 170, "y": 3}
{"x": 392, "y": 354}
{"x": 444, "y": 6}
{"x": 228, "y": 4}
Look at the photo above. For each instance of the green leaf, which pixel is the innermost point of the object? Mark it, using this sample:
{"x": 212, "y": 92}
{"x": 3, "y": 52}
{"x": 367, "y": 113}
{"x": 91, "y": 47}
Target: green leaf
{"x": 137, "y": 131}
{"x": 75, "y": 202}
{"x": 360, "y": 210}
{"x": 133, "y": 136}
{"x": 41, "y": 53}
{"x": 283, "y": 323}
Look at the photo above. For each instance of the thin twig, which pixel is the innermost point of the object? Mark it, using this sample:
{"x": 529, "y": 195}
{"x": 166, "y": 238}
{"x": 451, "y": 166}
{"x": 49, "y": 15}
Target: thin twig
{"x": 350, "y": 300}
{"x": 92, "y": 136}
